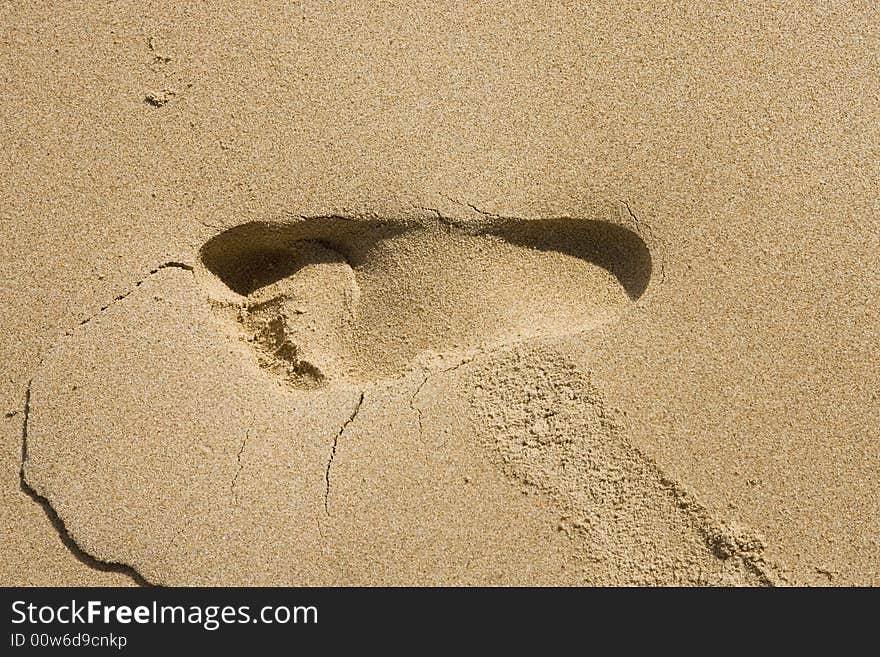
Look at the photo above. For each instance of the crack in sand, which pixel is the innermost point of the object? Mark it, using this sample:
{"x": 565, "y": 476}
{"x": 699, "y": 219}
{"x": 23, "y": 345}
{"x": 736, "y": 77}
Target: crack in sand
{"x": 68, "y": 540}
{"x": 412, "y": 402}
{"x": 650, "y": 232}
{"x": 467, "y": 204}
{"x": 441, "y": 218}
{"x": 427, "y": 374}
{"x": 173, "y": 264}
{"x": 63, "y": 533}
{"x": 336, "y": 438}
{"x": 244, "y": 442}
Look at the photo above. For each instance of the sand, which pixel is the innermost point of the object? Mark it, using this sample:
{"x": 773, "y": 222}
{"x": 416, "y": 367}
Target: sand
{"x": 440, "y": 294}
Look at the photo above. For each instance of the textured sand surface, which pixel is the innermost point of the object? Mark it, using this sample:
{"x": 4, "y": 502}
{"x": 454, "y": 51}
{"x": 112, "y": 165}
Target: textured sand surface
{"x": 441, "y": 293}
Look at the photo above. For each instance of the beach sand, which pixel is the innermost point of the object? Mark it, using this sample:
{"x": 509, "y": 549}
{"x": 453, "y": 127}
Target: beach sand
{"x": 440, "y": 293}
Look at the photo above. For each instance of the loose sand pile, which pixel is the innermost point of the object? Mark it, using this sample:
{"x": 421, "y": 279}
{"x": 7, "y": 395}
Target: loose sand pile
{"x": 441, "y": 294}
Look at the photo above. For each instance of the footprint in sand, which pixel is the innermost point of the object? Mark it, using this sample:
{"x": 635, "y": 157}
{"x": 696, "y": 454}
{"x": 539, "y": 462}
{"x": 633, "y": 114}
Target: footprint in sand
{"x": 332, "y": 299}
{"x": 152, "y": 433}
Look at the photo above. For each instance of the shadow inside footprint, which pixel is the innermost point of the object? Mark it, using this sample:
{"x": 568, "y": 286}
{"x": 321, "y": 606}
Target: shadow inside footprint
{"x": 610, "y": 246}
{"x": 336, "y": 299}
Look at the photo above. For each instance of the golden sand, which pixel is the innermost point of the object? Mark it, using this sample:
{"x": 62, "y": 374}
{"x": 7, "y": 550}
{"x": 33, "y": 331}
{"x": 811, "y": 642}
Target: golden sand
{"x": 420, "y": 293}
